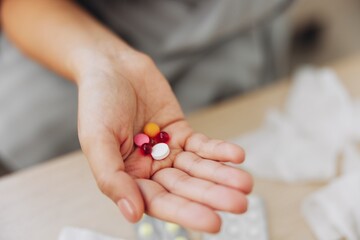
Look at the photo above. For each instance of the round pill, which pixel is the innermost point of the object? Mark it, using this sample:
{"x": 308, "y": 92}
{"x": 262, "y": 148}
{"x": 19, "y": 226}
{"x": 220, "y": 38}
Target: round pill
{"x": 151, "y": 129}
{"x": 181, "y": 238}
{"x": 162, "y": 137}
{"x": 233, "y": 230}
{"x": 152, "y": 141}
{"x": 146, "y": 230}
{"x": 160, "y": 151}
{"x": 254, "y": 231}
{"x": 146, "y": 148}
{"x": 140, "y": 139}
{"x": 172, "y": 227}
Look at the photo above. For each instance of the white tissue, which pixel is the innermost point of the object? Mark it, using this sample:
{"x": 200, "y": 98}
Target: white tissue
{"x": 280, "y": 151}
{"x": 303, "y": 142}
{"x": 320, "y": 123}
{"x": 356, "y": 129}
{"x": 72, "y": 233}
{"x": 351, "y": 160}
{"x": 333, "y": 212}
{"x": 320, "y": 107}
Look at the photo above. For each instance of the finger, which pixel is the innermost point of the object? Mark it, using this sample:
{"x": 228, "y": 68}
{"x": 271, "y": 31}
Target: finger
{"x": 205, "y": 192}
{"x": 169, "y": 207}
{"x": 214, "y": 171}
{"x": 108, "y": 167}
{"x": 214, "y": 149}
{"x": 138, "y": 165}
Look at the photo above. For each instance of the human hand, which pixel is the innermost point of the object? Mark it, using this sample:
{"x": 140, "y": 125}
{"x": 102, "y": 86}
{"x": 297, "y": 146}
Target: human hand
{"x": 118, "y": 95}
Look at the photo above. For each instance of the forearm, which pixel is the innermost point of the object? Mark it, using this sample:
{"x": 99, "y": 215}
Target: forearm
{"x": 59, "y": 34}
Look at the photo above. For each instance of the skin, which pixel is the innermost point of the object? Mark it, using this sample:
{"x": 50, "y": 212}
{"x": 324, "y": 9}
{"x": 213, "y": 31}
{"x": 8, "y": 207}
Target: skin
{"x": 120, "y": 90}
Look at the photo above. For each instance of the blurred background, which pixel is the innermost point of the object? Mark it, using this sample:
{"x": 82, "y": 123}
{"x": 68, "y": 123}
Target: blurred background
{"x": 307, "y": 32}
{"x": 323, "y": 31}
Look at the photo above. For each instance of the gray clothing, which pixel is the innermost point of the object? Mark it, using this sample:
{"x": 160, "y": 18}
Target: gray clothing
{"x": 38, "y": 111}
{"x": 208, "y": 49}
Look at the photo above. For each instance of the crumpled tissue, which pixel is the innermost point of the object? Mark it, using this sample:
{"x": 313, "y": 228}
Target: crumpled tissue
{"x": 333, "y": 212}
{"x": 319, "y": 125}
{"x": 304, "y": 141}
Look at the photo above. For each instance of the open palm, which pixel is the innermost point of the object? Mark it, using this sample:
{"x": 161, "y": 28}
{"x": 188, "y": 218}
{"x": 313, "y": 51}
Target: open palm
{"x": 189, "y": 185}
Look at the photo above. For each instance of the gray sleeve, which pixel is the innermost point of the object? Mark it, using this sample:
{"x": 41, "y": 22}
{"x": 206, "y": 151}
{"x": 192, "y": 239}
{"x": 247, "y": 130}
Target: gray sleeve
{"x": 38, "y": 110}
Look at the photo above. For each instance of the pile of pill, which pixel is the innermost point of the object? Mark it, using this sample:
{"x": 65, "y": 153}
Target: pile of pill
{"x": 153, "y": 141}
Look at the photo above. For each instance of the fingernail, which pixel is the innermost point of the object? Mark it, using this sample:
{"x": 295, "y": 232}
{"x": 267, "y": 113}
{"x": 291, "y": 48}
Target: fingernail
{"x": 127, "y": 209}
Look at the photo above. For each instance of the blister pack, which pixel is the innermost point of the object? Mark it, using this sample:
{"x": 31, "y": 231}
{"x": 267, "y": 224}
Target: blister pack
{"x": 251, "y": 225}
{"x": 248, "y": 226}
{"x": 150, "y": 228}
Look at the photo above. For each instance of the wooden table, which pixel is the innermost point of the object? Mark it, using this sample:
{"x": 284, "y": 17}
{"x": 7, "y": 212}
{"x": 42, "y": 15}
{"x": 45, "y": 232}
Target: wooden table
{"x": 37, "y": 203}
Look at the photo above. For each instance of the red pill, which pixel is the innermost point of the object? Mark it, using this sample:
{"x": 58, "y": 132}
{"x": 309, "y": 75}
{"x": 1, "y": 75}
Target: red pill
{"x": 152, "y": 141}
{"x": 162, "y": 137}
{"x": 146, "y": 148}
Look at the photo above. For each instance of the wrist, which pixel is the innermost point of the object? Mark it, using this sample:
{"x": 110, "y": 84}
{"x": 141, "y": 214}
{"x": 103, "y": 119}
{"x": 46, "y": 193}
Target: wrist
{"x": 86, "y": 64}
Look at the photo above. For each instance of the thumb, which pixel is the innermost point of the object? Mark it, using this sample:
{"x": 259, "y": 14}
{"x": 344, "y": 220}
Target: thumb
{"x": 107, "y": 165}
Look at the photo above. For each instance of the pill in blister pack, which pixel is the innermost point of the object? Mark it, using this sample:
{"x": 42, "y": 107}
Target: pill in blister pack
{"x": 248, "y": 226}
{"x": 153, "y": 229}
{"x": 146, "y": 229}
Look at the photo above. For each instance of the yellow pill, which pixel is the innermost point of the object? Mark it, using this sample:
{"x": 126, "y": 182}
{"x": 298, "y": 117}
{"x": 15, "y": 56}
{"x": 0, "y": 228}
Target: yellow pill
{"x": 172, "y": 227}
{"x": 181, "y": 238}
{"x": 146, "y": 230}
{"x": 151, "y": 129}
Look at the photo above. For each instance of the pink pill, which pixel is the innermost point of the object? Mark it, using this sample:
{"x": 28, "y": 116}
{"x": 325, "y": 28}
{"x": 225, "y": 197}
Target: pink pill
{"x": 140, "y": 139}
